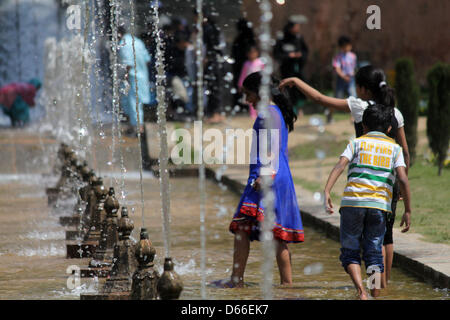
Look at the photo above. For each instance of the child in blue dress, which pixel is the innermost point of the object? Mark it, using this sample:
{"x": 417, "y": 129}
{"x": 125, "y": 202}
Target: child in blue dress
{"x": 246, "y": 223}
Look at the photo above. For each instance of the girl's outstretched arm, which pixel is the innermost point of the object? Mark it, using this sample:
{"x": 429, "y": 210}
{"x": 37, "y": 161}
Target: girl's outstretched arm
{"x": 314, "y": 95}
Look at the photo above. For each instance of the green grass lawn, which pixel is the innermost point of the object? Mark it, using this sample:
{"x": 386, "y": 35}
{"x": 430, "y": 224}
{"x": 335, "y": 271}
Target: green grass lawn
{"x": 430, "y": 203}
{"x": 327, "y": 143}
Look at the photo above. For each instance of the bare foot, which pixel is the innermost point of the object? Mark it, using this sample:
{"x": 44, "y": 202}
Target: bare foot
{"x": 375, "y": 292}
{"x": 363, "y": 296}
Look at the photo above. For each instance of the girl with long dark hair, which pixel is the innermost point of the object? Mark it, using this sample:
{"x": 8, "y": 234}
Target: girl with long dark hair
{"x": 249, "y": 215}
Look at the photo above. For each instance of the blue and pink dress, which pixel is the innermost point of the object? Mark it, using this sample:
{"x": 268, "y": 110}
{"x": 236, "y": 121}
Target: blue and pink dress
{"x": 250, "y": 212}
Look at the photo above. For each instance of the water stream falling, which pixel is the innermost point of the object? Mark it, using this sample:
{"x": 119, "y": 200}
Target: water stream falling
{"x": 35, "y": 39}
{"x": 95, "y": 80}
{"x": 138, "y": 123}
{"x": 19, "y": 48}
{"x": 101, "y": 81}
{"x": 117, "y": 139}
{"x": 162, "y": 130}
{"x": 80, "y": 102}
{"x": 115, "y": 87}
{"x": 266, "y": 180}
{"x": 201, "y": 169}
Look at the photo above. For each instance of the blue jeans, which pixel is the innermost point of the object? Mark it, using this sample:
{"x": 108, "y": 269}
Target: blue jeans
{"x": 362, "y": 227}
{"x": 345, "y": 89}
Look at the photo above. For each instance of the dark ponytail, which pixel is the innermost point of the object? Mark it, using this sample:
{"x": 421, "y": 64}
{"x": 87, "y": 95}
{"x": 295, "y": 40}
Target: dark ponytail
{"x": 374, "y": 80}
{"x": 253, "y": 82}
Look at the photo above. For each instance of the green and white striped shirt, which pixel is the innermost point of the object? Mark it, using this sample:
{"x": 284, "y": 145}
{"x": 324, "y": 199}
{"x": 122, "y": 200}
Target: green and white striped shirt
{"x": 371, "y": 174}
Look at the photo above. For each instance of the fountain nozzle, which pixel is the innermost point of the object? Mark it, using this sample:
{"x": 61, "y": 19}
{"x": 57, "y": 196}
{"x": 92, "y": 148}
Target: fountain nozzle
{"x": 169, "y": 285}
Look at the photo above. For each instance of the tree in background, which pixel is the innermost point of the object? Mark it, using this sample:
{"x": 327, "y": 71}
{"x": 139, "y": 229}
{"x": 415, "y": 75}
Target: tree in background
{"x": 407, "y": 92}
{"x": 438, "y": 121}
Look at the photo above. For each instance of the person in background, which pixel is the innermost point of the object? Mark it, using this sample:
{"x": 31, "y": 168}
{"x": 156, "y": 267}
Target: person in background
{"x": 253, "y": 64}
{"x": 17, "y": 98}
{"x": 191, "y": 69}
{"x": 177, "y": 72}
{"x": 213, "y": 70}
{"x": 150, "y": 43}
{"x": 292, "y": 53}
{"x": 244, "y": 40}
{"x": 344, "y": 65}
{"x": 140, "y": 74}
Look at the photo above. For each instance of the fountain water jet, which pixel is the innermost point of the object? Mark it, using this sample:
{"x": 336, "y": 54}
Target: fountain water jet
{"x": 201, "y": 170}
{"x": 268, "y": 195}
{"x": 115, "y": 99}
{"x": 168, "y": 281}
{"x": 138, "y": 124}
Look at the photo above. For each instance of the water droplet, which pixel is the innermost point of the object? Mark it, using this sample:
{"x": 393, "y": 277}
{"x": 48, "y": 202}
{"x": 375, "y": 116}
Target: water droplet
{"x": 313, "y": 268}
{"x": 317, "y": 196}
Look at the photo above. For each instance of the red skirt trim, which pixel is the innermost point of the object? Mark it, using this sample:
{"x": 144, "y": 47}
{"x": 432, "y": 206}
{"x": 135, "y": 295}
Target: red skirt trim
{"x": 252, "y": 210}
{"x": 251, "y": 216}
{"x": 290, "y": 236}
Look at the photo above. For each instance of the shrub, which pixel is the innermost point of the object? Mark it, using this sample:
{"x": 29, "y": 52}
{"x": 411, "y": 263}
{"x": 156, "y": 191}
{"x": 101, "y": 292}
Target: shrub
{"x": 407, "y": 92}
{"x": 438, "y": 128}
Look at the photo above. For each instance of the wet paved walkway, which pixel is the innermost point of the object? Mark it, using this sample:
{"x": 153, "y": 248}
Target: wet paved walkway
{"x": 21, "y": 152}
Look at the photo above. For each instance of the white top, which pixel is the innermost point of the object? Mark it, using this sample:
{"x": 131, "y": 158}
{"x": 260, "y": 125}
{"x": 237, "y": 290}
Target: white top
{"x": 357, "y": 107}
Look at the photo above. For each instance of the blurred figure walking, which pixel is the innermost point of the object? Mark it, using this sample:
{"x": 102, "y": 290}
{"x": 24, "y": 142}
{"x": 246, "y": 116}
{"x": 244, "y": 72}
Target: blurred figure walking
{"x": 292, "y": 52}
{"x": 138, "y": 74}
{"x": 214, "y": 45}
{"x": 244, "y": 40}
{"x": 344, "y": 65}
{"x": 17, "y": 98}
{"x": 253, "y": 64}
